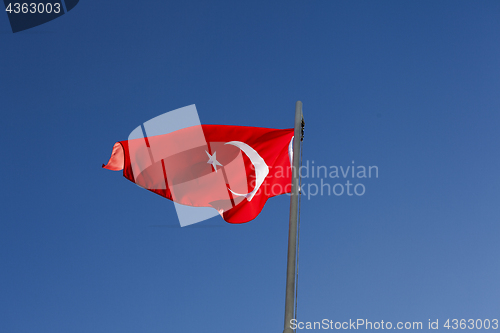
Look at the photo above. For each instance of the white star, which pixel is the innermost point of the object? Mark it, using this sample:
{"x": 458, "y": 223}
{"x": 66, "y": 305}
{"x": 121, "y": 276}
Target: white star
{"x": 213, "y": 160}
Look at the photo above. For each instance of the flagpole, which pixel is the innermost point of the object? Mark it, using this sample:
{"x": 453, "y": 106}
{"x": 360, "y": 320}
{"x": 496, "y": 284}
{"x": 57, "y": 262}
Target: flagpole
{"x": 292, "y": 231}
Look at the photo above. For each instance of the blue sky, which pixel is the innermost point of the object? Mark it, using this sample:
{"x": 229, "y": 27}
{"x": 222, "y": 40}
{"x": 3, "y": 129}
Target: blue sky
{"x": 411, "y": 87}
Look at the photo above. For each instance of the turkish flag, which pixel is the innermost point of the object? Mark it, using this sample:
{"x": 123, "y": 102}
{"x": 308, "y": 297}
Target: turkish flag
{"x": 233, "y": 169}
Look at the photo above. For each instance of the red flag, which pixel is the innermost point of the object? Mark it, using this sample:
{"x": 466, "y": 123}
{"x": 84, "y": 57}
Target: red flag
{"x": 233, "y": 169}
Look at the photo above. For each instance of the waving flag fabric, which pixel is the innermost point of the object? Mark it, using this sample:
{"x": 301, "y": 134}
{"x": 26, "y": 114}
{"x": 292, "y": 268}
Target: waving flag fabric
{"x": 233, "y": 169}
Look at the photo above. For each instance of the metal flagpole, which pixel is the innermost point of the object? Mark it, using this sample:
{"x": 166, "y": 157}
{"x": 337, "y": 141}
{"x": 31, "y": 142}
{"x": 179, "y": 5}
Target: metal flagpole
{"x": 292, "y": 232}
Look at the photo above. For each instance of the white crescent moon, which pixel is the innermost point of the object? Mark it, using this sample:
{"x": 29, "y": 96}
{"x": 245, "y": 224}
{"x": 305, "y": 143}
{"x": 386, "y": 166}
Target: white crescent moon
{"x": 261, "y": 168}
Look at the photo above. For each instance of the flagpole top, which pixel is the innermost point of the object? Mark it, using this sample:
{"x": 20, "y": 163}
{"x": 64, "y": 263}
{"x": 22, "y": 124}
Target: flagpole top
{"x": 299, "y": 119}
{"x": 298, "y": 108}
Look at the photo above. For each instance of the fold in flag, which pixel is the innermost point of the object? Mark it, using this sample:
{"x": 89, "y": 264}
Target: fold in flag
{"x": 233, "y": 169}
